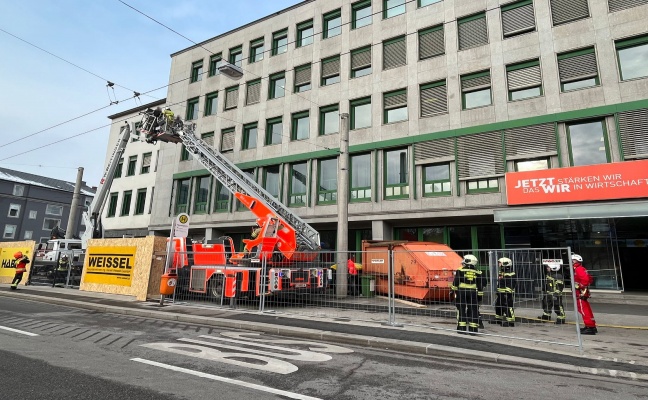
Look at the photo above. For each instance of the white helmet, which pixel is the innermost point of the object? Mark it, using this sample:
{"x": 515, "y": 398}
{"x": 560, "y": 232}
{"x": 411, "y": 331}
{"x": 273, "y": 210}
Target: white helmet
{"x": 469, "y": 259}
{"x": 505, "y": 261}
{"x": 553, "y": 267}
{"x": 577, "y": 257}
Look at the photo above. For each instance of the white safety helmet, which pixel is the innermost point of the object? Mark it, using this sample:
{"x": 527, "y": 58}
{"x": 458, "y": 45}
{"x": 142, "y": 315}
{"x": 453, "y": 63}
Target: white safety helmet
{"x": 505, "y": 261}
{"x": 469, "y": 259}
{"x": 553, "y": 267}
{"x": 577, "y": 257}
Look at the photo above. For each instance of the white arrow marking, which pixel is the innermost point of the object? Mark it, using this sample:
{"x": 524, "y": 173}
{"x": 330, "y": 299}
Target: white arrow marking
{"x": 297, "y": 355}
{"x": 18, "y": 331}
{"x": 315, "y": 346}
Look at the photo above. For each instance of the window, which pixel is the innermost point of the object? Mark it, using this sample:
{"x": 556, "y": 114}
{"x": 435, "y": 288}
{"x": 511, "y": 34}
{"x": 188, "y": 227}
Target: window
{"x": 14, "y": 211}
{"x": 524, "y": 80}
{"x": 231, "y": 97}
{"x": 360, "y": 178}
{"x": 126, "y": 203}
{"x": 18, "y": 190}
{"x": 360, "y": 14}
{"x": 280, "y": 42}
{"x": 431, "y": 42}
{"x": 588, "y": 143}
{"x": 330, "y": 71}
{"x": 302, "y": 78}
{"x": 112, "y": 205}
{"x": 518, "y": 18}
{"x": 119, "y": 168}
{"x": 132, "y": 162}
{"x": 632, "y": 133}
{"x": 236, "y": 56}
{"x": 33, "y": 214}
{"x": 489, "y": 185}
{"x": 50, "y": 223}
{"x": 201, "y": 197}
{"x": 215, "y": 61}
{"x": 140, "y": 201}
{"x": 256, "y": 50}
{"x": 360, "y": 62}
{"x": 298, "y": 184}
{"x": 250, "y": 132}
{"x": 578, "y": 69}
{"x": 52, "y": 209}
{"x": 184, "y": 154}
{"x": 146, "y": 163}
{"x": 434, "y": 99}
{"x": 532, "y": 165}
{"x": 227, "y": 140}
{"x": 221, "y": 198}
{"x": 423, "y": 3}
{"x": 250, "y": 173}
{"x": 211, "y": 103}
{"x": 253, "y": 92}
{"x": 274, "y": 131}
{"x": 618, "y": 5}
{"x": 277, "y": 86}
{"x": 271, "y": 180}
{"x": 329, "y": 120}
{"x": 472, "y": 31}
{"x": 305, "y": 33}
{"x": 633, "y": 57}
{"x": 396, "y": 174}
{"x": 196, "y": 71}
{"x": 565, "y": 11}
{"x": 391, "y": 8}
{"x": 300, "y": 126}
{"x": 395, "y": 106}
{"x": 182, "y": 195}
{"x": 332, "y": 24}
{"x": 208, "y": 138}
{"x": 476, "y": 90}
{"x": 192, "y": 109}
{"x": 9, "y": 232}
{"x": 394, "y": 53}
{"x": 436, "y": 180}
{"x": 327, "y": 181}
{"x": 28, "y": 235}
{"x": 360, "y": 113}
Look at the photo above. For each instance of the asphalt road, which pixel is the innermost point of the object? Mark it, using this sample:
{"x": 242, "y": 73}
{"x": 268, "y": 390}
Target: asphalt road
{"x": 55, "y": 352}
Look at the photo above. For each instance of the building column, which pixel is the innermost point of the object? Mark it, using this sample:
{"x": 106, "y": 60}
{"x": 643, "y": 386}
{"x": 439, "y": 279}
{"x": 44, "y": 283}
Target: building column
{"x": 381, "y": 230}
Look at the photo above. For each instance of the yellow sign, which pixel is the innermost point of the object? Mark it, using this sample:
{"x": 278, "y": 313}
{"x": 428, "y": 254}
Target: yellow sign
{"x": 110, "y": 265}
{"x": 7, "y": 261}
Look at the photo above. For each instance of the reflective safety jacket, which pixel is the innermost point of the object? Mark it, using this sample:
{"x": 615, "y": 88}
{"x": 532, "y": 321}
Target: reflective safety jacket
{"x": 21, "y": 265}
{"x": 468, "y": 278}
{"x": 63, "y": 265}
{"x": 554, "y": 283}
{"x": 506, "y": 281}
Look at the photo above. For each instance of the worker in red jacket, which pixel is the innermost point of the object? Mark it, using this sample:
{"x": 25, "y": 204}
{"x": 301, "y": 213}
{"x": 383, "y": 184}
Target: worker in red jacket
{"x": 21, "y": 261}
{"x": 353, "y": 276}
{"x": 582, "y": 281}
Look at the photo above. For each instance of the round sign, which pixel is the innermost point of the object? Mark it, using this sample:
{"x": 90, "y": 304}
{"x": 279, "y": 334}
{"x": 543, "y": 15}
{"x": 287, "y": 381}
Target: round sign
{"x": 171, "y": 282}
{"x": 183, "y": 218}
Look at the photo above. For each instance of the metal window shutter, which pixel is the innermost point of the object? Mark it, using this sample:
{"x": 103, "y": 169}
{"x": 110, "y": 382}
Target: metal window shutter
{"x": 473, "y": 33}
{"x": 395, "y": 54}
{"x": 577, "y": 68}
{"x": 617, "y": 5}
{"x": 530, "y": 140}
{"x": 395, "y": 101}
{"x": 331, "y": 68}
{"x": 524, "y": 78}
{"x": 253, "y": 93}
{"x": 209, "y": 140}
{"x": 302, "y": 76}
{"x": 633, "y": 129}
{"x": 361, "y": 59}
{"x": 438, "y": 148}
{"x": 228, "y": 141}
{"x": 481, "y": 82}
{"x": 434, "y": 100}
{"x": 563, "y": 11}
{"x": 431, "y": 44}
{"x": 518, "y": 19}
{"x": 231, "y": 98}
{"x": 480, "y": 155}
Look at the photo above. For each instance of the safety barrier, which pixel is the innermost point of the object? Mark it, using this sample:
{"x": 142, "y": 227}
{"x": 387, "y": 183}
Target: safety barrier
{"x": 51, "y": 273}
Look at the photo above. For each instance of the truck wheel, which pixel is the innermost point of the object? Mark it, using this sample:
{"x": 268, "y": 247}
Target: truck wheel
{"x": 215, "y": 288}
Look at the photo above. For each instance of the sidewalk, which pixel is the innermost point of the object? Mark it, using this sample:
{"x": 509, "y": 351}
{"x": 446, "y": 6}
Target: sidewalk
{"x": 619, "y": 350}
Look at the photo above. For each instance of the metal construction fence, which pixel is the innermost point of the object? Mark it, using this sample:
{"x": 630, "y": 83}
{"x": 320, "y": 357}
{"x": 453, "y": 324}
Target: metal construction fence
{"x": 44, "y": 273}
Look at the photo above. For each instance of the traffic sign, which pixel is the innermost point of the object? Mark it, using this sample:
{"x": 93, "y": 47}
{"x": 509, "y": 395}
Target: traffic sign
{"x": 182, "y": 225}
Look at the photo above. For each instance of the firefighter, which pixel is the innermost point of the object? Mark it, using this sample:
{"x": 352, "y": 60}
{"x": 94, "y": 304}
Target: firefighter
{"x": 506, "y": 281}
{"x": 352, "y": 276}
{"x": 168, "y": 116}
{"x": 466, "y": 286}
{"x": 256, "y": 230}
{"x": 21, "y": 261}
{"x": 61, "y": 271}
{"x": 552, "y": 299}
{"x": 582, "y": 281}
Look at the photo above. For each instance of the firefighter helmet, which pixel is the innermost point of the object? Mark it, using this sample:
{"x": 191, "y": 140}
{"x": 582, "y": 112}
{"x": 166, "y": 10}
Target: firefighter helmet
{"x": 505, "y": 262}
{"x": 18, "y": 255}
{"x": 64, "y": 257}
{"x": 576, "y": 257}
{"x": 469, "y": 259}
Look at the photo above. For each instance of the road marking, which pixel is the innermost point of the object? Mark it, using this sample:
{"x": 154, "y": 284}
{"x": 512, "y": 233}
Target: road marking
{"x": 226, "y": 380}
{"x": 256, "y": 337}
{"x": 18, "y": 331}
{"x": 298, "y": 355}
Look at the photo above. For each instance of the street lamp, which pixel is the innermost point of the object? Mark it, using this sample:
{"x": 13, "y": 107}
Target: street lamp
{"x": 343, "y": 209}
{"x": 230, "y": 70}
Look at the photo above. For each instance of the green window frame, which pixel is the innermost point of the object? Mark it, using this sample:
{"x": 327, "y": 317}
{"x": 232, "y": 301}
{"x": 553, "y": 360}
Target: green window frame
{"x": 274, "y": 131}
{"x": 192, "y": 109}
{"x": 531, "y": 164}
{"x": 332, "y": 23}
{"x": 236, "y": 56}
{"x": 327, "y": 174}
{"x": 431, "y": 42}
{"x": 396, "y": 173}
{"x": 227, "y": 140}
{"x": 361, "y": 14}
{"x": 360, "y": 113}
{"x": 330, "y": 71}
{"x": 566, "y": 11}
{"x": 630, "y": 52}
{"x": 361, "y": 62}
{"x": 183, "y": 187}
{"x": 517, "y": 18}
{"x": 119, "y": 169}
{"x": 395, "y": 106}
{"x": 476, "y": 90}
{"x": 112, "y": 205}
{"x": 146, "y": 163}
{"x": 127, "y": 199}
{"x": 486, "y": 185}
{"x": 300, "y": 126}
{"x": 280, "y": 42}
{"x": 433, "y": 99}
{"x": 305, "y": 33}
{"x": 272, "y": 180}
{"x": 140, "y": 202}
{"x": 221, "y": 197}
{"x": 578, "y": 69}
{"x": 584, "y": 141}
{"x": 303, "y": 78}
{"x": 196, "y": 71}
{"x": 231, "y": 98}
{"x": 251, "y": 173}
{"x": 394, "y": 53}
{"x": 184, "y": 154}
{"x": 201, "y": 195}
{"x": 392, "y": 8}
{"x": 132, "y": 163}
{"x": 211, "y": 103}
{"x": 436, "y": 180}
{"x": 215, "y": 61}
{"x": 360, "y": 178}
{"x": 329, "y": 120}
{"x": 277, "y": 87}
{"x": 298, "y": 186}
{"x": 253, "y": 92}
{"x": 472, "y": 31}
{"x": 257, "y": 50}
{"x": 250, "y": 135}
{"x": 423, "y": 3}
{"x": 524, "y": 80}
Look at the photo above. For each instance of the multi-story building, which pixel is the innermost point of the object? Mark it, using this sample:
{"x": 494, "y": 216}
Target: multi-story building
{"x": 448, "y": 100}
{"x": 31, "y": 206}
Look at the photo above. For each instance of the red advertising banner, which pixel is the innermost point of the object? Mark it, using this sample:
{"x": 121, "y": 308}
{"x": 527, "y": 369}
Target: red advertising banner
{"x": 621, "y": 180}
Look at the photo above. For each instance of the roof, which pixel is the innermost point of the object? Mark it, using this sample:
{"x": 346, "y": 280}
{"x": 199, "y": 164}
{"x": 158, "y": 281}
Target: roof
{"x": 42, "y": 181}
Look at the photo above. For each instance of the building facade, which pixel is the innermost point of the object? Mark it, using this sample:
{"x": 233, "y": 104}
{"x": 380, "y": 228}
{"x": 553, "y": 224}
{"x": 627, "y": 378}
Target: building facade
{"x": 448, "y": 101}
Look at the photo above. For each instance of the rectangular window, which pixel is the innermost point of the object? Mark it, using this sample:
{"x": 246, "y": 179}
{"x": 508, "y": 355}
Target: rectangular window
{"x": 396, "y": 174}
{"x": 632, "y": 133}
{"x": 211, "y": 103}
{"x": 524, "y": 80}
{"x": 227, "y": 140}
{"x": 360, "y": 113}
{"x": 274, "y": 131}
{"x": 192, "y": 109}
{"x": 531, "y": 165}
{"x": 360, "y": 14}
{"x": 18, "y": 190}
{"x": 33, "y": 214}
{"x": 300, "y": 126}
{"x": 618, "y": 5}
{"x": 250, "y": 173}
{"x": 146, "y": 163}
{"x": 436, "y": 180}
{"x": 196, "y": 71}
{"x": 476, "y": 90}
{"x": 633, "y": 57}
{"x": 473, "y": 31}
{"x": 215, "y": 61}
{"x": 257, "y": 50}
{"x": 361, "y": 62}
{"x": 236, "y": 56}
{"x": 431, "y": 42}
{"x": 305, "y": 33}
{"x": 518, "y": 18}
{"x": 201, "y": 196}
{"x": 434, "y": 99}
{"x": 14, "y": 211}
{"x": 394, "y": 53}
{"x": 28, "y": 235}
{"x": 298, "y": 184}
{"x": 184, "y": 154}
{"x": 280, "y": 42}
{"x": 329, "y": 122}
{"x": 120, "y": 167}
{"x": 392, "y": 8}
{"x": 140, "y": 202}
{"x": 489, "y": 185}
{"x": 423, "y": 3}
{"x": 302, "y": 78}
{"x": 588, "y": 143}
{"x": 332, "y": 23}
{"x": 221, "y": 197}
{"x": 565, "y": 11}
{"x": 250, "y": 132}
{"x": 132, "y": 162}
{"x": 578, "y": 69}
{"x": 277, "y": 87}
{"x": 50, "y": 223}
{"x": 271, "y": 180}
{"x": 112, "y": 205}
{"x": 231, "y": 97}
{"x": 126, "y": 203}
{"x": 208, "y": 138}
{"x": 182, "y": 195}
{"x": 9, "y": 232}
{"x": 52, "y": 209}
{"x": 327, "y": 181}
{"x": 330, "y": 71}
{"x": 360, "y": 178}
{"x": 395, "y": 106}
{"x": 253, "y": 92}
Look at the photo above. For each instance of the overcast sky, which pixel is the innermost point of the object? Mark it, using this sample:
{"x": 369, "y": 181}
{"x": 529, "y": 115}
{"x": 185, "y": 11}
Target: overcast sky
{"x": 110, "y": 41}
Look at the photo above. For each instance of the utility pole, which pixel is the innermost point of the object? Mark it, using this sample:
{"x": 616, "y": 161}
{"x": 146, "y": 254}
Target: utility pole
{"x": 74, "y": 208}
{"x": 343, "y": 209}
